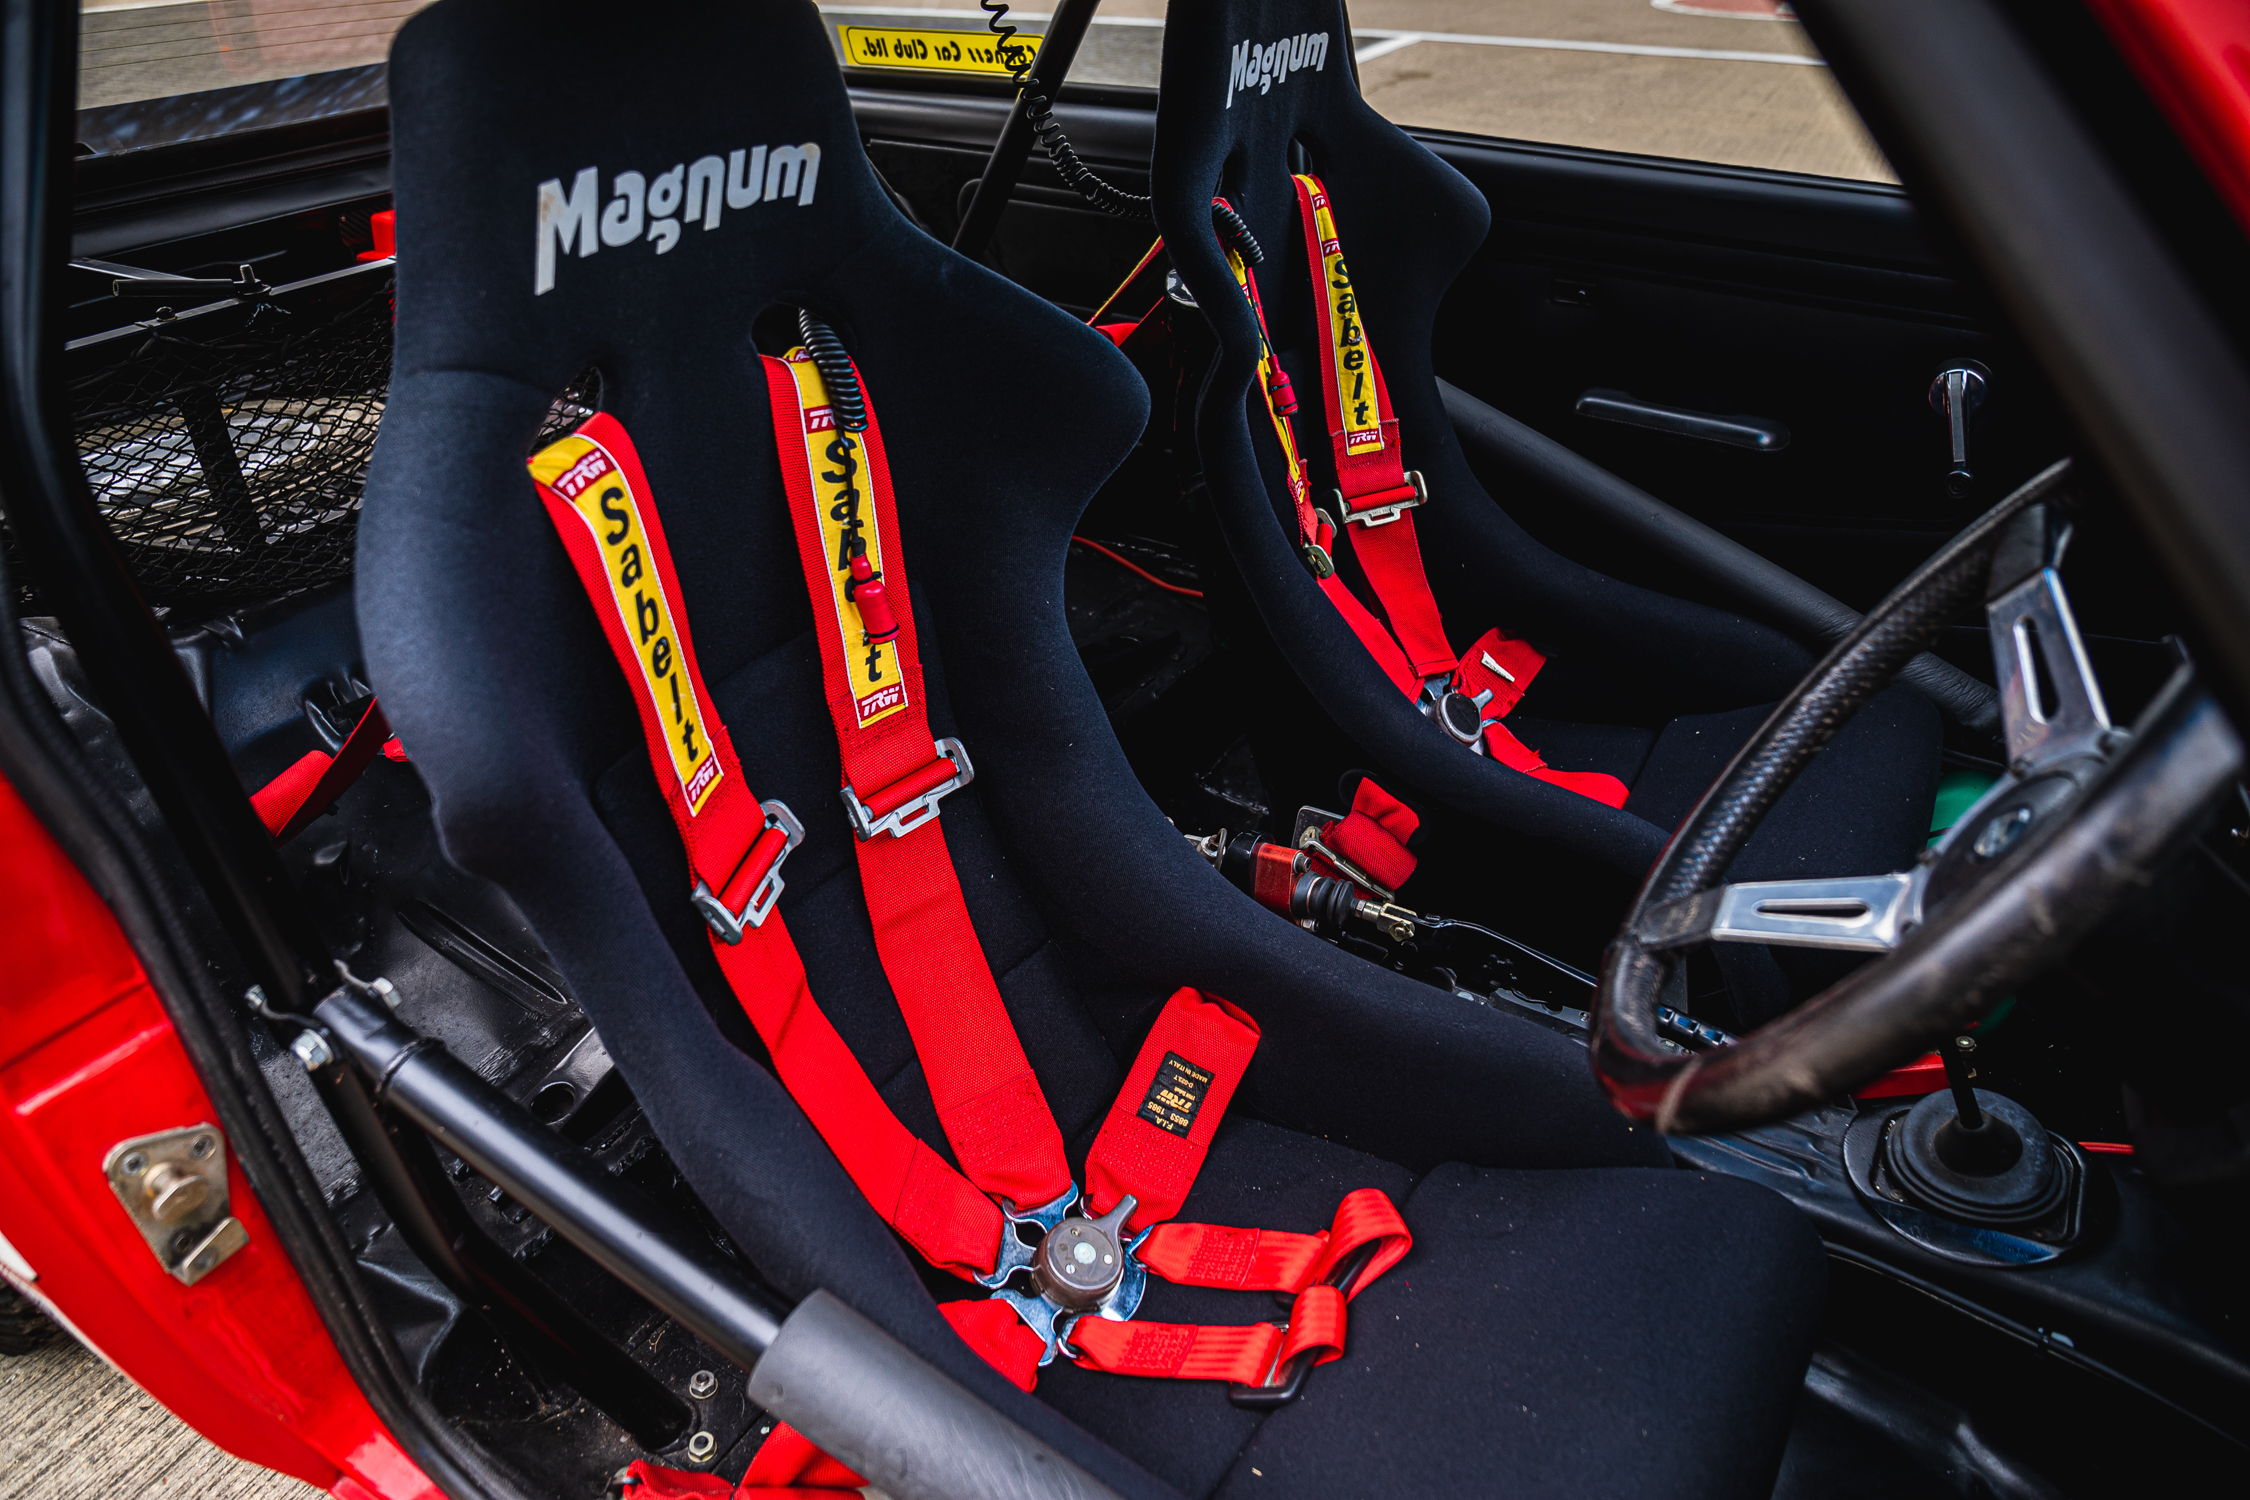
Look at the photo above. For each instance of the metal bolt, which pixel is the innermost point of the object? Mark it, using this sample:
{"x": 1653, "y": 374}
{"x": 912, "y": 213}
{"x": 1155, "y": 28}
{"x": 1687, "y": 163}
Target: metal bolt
{"x": 174, "y": 1193}
{"x": 387, "y": 991}
{"x": 312, "y": 1050}
{"x": 202, "y": 1148}
{"x": 256, "y": 995}
{"x": 134, "y": 1164}
{"x": 182, "y": 1241}
{"x": 701, "y": 1447}
{"x": 701, "y": 1384}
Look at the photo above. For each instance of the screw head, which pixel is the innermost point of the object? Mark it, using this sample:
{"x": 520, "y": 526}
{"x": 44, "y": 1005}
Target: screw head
{"x": 202, "y": 1148}
{"x": 701, "y": 1447}
{"x": 701, "y": 1384}
{"x": 182, "y": 1241}
{"x": 134, "y": 1164}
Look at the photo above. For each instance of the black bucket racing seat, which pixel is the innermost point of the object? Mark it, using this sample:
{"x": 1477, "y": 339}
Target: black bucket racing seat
{"x": 1656, "y": 691}
{"x": 1574, "y": 1315}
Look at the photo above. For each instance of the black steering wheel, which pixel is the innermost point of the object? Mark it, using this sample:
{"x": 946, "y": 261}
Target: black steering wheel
{"x": 2086, "y": 814}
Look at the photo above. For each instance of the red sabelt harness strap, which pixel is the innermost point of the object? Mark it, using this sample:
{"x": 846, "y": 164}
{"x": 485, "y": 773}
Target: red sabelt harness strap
{"x": 1317, "y": 539}
{"x": 988, "y": 1100}
{"x": 1363, "y": 433}
{"x": 600, "y": 503}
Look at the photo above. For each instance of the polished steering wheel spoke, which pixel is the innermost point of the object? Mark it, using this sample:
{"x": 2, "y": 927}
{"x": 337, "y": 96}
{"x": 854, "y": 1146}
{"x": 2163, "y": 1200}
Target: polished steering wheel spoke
{"x": 1853, "y": 914}
{"x": 2051, "y": 705}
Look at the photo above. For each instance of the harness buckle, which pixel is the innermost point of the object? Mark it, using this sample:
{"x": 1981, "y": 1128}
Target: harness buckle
{"x": 921, "y": 803}
{"x": 765, "y": 883}
{"x": 1391, "y": 503}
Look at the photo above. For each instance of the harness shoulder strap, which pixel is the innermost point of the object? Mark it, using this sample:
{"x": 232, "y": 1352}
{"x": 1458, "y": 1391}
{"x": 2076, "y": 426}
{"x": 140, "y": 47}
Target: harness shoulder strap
{"x": 1377, "y": 496}
{"x": 599, "y": 501}
{"x": 988, "y": 1100}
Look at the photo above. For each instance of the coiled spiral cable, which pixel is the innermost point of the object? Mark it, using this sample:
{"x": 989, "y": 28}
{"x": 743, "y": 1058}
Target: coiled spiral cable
{"x": 1104, "y": 195}
{"x": 846, "y": 401}
{"x": 1039, "y": 110}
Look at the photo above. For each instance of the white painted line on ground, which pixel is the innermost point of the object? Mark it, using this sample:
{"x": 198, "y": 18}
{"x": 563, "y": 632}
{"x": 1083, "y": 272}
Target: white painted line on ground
{"x": 1384, "y": 48}
{"x": 1556, "y": 44}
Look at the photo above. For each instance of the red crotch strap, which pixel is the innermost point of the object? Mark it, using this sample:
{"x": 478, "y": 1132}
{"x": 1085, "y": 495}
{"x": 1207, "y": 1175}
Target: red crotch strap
{"x": 1154, "y": 1140}
{"x": 1374, "y": 836}
{"x": 1376, "y": 497}
{"x": 1504, "y": 667}
{"x": 599, "y": 500}
{"x": 988, "y": 1101}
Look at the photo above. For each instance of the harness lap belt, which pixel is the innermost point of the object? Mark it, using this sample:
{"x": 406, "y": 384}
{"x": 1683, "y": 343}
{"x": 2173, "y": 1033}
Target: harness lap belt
{"x": 1468, "y": 695}
{"x": 1150, "y": 1148}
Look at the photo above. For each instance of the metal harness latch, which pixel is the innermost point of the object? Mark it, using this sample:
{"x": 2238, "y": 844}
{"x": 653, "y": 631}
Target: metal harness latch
{"x": 919, "y": 809}
{"x": 730, "y": 925}
{"x": 1389, "y": 511}
{"x": 1081, "y": 1266}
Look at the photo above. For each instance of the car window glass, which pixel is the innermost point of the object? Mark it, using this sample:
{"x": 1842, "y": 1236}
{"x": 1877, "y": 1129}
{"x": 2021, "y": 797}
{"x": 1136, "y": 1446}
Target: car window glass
{"x": 1728, "y": 81}
{"x": 133, "y": 50}
{"x": 1731, "y": 81}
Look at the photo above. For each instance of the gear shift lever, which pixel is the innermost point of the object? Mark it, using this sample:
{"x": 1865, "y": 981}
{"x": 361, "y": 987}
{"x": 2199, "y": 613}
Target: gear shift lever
{"x": 1973, "y": 1155}
{"x": 1971, "y": 1142}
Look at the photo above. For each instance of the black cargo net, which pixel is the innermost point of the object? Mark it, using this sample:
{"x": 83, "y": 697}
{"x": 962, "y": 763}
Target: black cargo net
{"x": 230, "y": 470}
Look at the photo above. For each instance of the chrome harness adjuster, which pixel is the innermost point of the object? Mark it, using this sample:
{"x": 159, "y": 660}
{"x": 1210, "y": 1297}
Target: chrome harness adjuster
{"x": 1389, "y": 511}
{"x": 919, "y": 809}
{"x": 730, "y": 925}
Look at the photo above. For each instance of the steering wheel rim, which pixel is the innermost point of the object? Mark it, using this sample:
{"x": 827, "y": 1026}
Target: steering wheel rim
{"x": 2134, "y": 800}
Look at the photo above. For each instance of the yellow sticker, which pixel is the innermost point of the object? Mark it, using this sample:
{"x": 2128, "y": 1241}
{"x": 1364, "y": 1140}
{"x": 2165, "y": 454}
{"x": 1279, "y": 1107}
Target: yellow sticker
{"x": 944, "y": 51}
{"x": 588, "y": 477}
{"x": 848, "y": 528}
{"x": 1355, "y": 390}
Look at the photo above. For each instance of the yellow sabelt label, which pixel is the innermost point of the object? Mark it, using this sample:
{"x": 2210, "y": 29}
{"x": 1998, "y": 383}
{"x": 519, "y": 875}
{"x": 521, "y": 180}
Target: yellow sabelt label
{"x": 942, "y": 51}
{"x": 1355, "y": 392}
{"x": 589, "y": 478}
{"x": 848, "y": 528}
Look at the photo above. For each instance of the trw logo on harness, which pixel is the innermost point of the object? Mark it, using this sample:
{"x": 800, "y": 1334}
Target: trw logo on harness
{"x": 587, "y": 477}
{"x": 645, "y": 210}
{"x": 1250, "y": 66}
{"x": 848, "y": 529}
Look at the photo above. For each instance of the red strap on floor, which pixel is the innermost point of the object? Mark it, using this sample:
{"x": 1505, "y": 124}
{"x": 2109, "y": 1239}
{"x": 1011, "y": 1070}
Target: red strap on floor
{"x": 1363, "y": 435}
{"x": 988, "y": 1100}
{"x": 288, "y": 803}
{"x": 599, "y": 500}
{"x": 1374, "y": 834}
{"x": 1154, "y": 1140}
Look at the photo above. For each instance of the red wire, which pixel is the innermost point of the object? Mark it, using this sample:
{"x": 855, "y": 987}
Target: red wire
{"x": 1125, "y": 562}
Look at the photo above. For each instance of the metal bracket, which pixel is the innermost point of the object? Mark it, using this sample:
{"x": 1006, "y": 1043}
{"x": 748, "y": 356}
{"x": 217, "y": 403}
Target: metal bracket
{"x": 174, "y": 1186}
